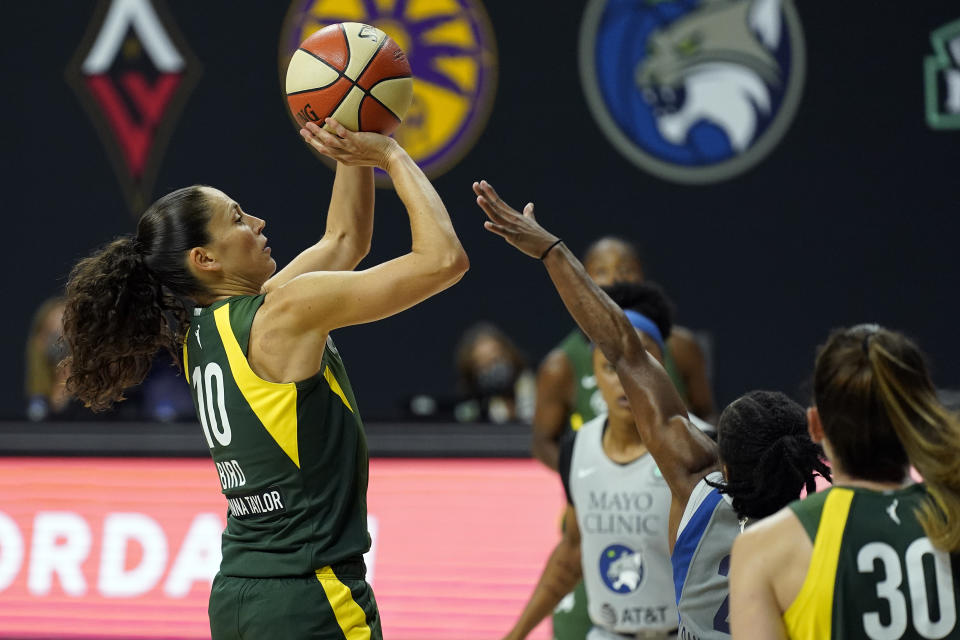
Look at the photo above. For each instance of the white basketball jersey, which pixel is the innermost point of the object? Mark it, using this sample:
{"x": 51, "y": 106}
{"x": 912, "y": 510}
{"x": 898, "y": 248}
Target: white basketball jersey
{"x": 622, "y": 511}
{"x": 701, "y": 562}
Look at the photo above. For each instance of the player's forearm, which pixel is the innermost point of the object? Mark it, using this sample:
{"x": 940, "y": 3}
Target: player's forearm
{"x": 598, "y": 316}
{"x": 346, "y": 240}
{"x": 545, "y": 449}
{"x": 554, "y": 402}
{"x": 431, "y": 230}
{"x": 559, "y": 577}
{"x": 350, "y": 214}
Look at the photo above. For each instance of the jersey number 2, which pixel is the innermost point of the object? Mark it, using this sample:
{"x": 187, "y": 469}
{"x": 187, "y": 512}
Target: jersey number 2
{"x": 208, "y": 384}
{"x": 889, "y": 590}
{"x": 721, "y": 621}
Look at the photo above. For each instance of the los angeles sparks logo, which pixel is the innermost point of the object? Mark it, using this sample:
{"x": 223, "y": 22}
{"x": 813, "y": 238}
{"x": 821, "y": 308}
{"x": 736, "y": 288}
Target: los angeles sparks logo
{"x": 452, "y": 54}
{"x": 133, "y": 74}
{"x": 693, "y": 91}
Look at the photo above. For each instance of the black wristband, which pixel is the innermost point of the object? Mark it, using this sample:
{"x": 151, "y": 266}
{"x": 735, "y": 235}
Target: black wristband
{"x": 550, "y": 247}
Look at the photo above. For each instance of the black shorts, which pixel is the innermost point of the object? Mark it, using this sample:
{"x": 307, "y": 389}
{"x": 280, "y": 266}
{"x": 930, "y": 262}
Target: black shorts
{"x": 335, "y": 603}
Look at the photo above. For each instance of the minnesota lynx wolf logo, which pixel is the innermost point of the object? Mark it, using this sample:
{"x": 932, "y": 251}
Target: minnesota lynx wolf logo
{"x": 941, "y": 74}
{"x": 693, "y": 91}
{"x": 621, "y": 568}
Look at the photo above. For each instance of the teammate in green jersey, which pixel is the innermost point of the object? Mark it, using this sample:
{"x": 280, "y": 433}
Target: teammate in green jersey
{"x": 570, "y": 618}
{"x": 876, "y": 556}
{"x": 272, "y": 395}
{"x": 566, "y": 393}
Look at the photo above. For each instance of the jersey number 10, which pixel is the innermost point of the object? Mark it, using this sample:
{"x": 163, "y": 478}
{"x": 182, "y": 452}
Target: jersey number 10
{"x": 207, "y": 385}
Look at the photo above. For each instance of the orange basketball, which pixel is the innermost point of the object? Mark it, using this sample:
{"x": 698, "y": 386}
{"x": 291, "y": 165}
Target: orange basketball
{"x": 352, "y": 72}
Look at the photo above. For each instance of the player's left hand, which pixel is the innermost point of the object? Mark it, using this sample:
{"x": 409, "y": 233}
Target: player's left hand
{"x": 352, "y": 148}
{"x": 520, "y": 230}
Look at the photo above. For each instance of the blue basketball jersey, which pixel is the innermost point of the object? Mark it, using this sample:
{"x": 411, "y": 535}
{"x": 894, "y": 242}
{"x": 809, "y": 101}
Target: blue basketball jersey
{"x": 701, "y": 563}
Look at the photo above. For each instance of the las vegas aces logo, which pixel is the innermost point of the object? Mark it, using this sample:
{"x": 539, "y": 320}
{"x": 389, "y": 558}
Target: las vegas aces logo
{"x": 133, "y": 73}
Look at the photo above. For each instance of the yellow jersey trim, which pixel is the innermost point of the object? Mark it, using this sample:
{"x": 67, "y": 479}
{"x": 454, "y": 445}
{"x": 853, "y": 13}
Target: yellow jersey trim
{"x": 186, "y": 362}
{"x": 576, "y": 421}
{"x": 350, "y": 615}
{"x": 274, "y": 403}
{"x": 335, "y": 387}
{"x": 810, "y": 615}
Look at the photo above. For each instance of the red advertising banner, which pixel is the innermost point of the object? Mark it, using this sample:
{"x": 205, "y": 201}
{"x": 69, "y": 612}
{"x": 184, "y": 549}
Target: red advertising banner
{"x": 126, "y": 548}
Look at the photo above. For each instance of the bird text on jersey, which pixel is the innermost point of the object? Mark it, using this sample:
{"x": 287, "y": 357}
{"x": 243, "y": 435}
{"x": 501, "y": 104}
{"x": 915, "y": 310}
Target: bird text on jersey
{"x": 231, "y": 475}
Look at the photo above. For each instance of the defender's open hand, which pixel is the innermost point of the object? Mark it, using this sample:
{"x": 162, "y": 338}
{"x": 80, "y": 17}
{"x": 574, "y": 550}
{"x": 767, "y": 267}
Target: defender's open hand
{"x": 520, "y": 230}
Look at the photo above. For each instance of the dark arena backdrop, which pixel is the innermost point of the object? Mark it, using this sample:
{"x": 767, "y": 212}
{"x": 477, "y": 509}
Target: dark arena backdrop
{"x": 785, "y": 166}
{"x": 849, "y": 215}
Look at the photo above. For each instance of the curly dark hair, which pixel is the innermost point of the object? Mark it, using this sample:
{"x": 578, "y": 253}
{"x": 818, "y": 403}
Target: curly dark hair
{"x": 768, "y": 453}
{"x": 646, "y": 298}
{"x": 122, "y": 303}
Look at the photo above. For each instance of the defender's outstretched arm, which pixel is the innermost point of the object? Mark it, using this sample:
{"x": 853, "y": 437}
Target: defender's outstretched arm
{"x": 682, "y": 452}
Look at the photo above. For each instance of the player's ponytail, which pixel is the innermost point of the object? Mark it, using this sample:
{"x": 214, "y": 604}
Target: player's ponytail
{"x": 768, "y": 453}
{"x": 122, "y": 302}
{"x": 880, "y": 412}
{"x": 929, "y": 432}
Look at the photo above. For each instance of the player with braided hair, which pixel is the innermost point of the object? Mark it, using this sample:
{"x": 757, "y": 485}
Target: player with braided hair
{"x": 702, "y": 522}
{"x": 877, "y": 555}
{"x": 767, "y": 454}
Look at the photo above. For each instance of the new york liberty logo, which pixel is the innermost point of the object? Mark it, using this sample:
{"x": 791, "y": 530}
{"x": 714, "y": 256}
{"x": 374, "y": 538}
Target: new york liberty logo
{"x": 452, "y": 54}
{"x": 692, "y": 91}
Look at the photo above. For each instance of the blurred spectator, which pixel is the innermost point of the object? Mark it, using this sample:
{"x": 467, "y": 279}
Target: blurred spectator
{"x": 45, "y": 388}
{"x": 46, "y": 377}
{"x": 164, "y": 395}
{"x": 493, "y": 380}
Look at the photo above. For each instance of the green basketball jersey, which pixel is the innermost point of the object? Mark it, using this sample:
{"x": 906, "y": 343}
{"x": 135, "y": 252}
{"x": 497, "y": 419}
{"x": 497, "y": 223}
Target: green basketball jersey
{"x": 588, "y": 403}
{"x": 291, "y": 458}
{"x": 670, "y": 366}
{"x": 873, "y": 573}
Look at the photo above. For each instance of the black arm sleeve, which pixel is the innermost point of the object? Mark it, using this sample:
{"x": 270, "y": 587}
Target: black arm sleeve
{"x": 564, "y": 459}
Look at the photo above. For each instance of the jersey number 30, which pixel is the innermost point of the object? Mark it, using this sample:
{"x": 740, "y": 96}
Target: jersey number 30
{"x": 889, "y": 590}
{"x": 207, "y": 385}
